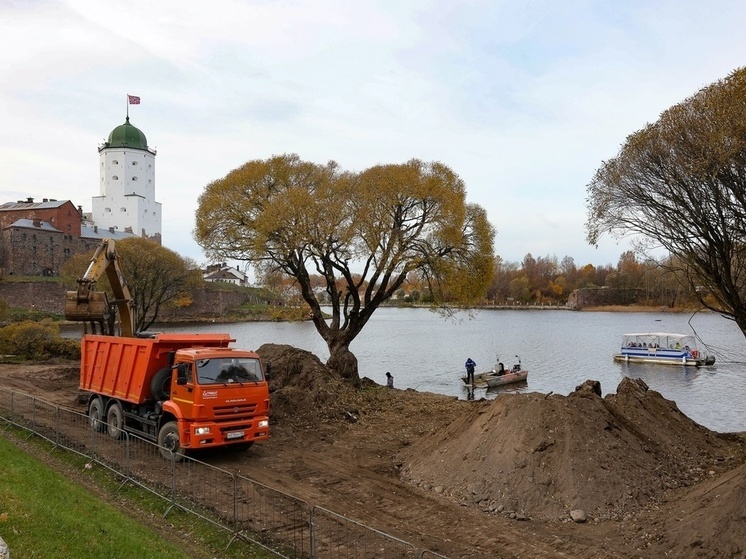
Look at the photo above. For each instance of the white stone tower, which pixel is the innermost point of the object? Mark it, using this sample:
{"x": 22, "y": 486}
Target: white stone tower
{"x": 127, "y": 170}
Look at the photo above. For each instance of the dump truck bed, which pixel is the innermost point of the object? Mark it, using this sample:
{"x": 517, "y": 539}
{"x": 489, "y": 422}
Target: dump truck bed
{"x": 123, "y": 367}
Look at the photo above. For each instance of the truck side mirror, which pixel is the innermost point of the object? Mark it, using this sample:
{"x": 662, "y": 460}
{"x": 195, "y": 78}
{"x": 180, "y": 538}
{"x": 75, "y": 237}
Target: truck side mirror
{"x": 267, "y": 371}
{"x": 181, "y": 373}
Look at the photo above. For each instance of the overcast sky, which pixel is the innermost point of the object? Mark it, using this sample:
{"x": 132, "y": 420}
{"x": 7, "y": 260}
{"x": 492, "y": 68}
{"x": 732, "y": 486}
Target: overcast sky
{"x": 523, "y": 99}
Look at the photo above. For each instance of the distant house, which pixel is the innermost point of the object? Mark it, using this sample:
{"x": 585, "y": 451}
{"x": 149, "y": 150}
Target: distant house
{"x": 227, "y": 274}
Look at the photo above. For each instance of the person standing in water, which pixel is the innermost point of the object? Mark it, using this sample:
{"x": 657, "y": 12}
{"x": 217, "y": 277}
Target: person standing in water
{"x": 470, "y": 366}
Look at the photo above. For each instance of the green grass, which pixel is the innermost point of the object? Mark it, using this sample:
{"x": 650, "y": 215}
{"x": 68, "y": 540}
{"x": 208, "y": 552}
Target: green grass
{"x": 43, "y": 515}
{"x": 19, "y": 315}
{"x": 12, "y": 278}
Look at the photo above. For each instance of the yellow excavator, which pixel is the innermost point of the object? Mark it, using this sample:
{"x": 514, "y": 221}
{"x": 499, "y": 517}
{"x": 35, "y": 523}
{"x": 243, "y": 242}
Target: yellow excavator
{"x": 94, "y": 307}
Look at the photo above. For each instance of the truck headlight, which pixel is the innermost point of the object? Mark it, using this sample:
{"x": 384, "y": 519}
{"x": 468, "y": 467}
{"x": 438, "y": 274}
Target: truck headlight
{"x": 263, "y": 424}
{"x": 202, "y": 431}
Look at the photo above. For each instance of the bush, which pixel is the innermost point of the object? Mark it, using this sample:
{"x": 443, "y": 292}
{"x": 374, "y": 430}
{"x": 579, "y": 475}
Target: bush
{"x": 37, "y": 341}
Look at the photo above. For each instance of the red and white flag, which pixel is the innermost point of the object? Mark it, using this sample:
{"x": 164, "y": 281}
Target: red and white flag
{"x": 133, "y": 99}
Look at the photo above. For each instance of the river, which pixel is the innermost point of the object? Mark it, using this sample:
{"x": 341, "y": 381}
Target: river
{"x": 560, "y": 349}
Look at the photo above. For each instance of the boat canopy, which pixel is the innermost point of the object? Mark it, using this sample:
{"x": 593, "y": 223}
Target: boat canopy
{"x": 659, "y": 339}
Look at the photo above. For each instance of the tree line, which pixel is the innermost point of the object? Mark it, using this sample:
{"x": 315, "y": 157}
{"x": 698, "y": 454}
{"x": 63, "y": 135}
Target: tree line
{"x": 548, "y": 280}
{"x": 540, "y": 280}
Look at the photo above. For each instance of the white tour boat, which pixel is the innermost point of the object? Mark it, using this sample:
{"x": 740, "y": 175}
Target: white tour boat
{"x": 663, "y": 348}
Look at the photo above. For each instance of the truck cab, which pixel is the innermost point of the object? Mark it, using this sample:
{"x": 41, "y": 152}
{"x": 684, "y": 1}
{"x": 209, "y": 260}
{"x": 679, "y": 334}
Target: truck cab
{"x": 218, "y": 397}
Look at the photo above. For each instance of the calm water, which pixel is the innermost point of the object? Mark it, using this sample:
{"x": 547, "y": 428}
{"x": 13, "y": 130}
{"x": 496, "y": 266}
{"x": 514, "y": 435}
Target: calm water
{"x": 561, "y": 349}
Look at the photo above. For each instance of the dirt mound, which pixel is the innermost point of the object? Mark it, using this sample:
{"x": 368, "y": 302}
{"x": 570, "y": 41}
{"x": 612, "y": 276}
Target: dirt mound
{"x": 543, "y": 455}
{"x": 303, "y": 391}
{"x": 55, "y": 380}
{"x": 712, "y": 527}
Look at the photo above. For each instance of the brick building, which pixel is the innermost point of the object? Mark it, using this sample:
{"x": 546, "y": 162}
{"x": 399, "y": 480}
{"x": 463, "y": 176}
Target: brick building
{"x": 36, "y": 238}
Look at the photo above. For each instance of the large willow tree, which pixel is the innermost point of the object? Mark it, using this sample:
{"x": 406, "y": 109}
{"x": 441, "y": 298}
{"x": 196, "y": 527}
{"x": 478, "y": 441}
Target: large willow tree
{"x": 361, "y": 232}
{"x": 680, "y": 184}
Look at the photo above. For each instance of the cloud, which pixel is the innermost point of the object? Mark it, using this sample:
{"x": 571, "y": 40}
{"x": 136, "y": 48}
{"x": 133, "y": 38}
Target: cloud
{"x": 523, "y": 100}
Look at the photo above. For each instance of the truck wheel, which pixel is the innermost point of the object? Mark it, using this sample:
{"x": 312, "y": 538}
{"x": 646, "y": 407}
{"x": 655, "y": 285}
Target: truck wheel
{"x": 168, "y": 442}
{"x": 160, "y": 386}
{"x": 115, "y": 420}
{"x": 96, "y": 414}
{"x": 242, "y": 447}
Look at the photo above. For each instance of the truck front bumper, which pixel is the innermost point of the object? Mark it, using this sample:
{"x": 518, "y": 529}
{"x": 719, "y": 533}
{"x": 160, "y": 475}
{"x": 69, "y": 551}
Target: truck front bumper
{"x": 205, "y": 434}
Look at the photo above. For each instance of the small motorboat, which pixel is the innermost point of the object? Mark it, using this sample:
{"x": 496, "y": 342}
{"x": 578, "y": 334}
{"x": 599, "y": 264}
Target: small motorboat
{"x": 662, "y": 348}
{"x": 498, "y": 376}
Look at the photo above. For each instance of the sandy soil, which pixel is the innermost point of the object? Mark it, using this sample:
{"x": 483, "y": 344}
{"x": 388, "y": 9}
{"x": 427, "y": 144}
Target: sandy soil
{"x": 500, "y": 478}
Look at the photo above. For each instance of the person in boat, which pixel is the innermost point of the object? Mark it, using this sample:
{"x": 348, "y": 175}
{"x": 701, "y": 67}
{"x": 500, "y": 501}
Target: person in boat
{"x": 500, "y": 369}
{"x": 470, "y": 367}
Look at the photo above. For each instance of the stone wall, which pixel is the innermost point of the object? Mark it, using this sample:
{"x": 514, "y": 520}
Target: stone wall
{"x": 42, "y": 296}
{"x": 26, "y": 251}
{"x": 206, "y": 304}
{"x": 601, "y": 296}
{"x": 50, "y": 297}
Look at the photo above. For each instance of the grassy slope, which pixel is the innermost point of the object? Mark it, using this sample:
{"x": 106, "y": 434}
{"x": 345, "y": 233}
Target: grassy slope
{"x": 44, "y": 515}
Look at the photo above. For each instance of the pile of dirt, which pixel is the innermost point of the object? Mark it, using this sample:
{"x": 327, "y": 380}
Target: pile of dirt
{"x": 55, "y": 380}
{"x": 303, "y": 391}
{"x": 544, "y": 456}
{"x": 705, "y": 522}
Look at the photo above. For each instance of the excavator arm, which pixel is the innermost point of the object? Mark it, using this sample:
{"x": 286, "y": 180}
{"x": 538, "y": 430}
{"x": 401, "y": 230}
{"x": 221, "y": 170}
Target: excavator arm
{"x": 94, "y": 307}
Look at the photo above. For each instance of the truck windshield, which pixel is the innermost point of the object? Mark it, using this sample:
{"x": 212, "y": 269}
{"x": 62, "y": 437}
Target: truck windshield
{"x": 228, "y": 370}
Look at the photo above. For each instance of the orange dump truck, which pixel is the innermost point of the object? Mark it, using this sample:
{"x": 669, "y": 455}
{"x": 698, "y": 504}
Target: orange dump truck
{"x": 183, "y": 391}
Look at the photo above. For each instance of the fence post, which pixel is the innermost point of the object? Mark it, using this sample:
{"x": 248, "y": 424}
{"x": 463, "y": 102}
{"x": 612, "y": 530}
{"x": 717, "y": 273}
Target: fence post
{"x": 312, "y": 525}
{"x": 57, "y": 427}
{"x": 33, "y": 419}
{"x": 235, "y": 504}
{"x": 127, "y": 456}
{"x": 173, "y": 485}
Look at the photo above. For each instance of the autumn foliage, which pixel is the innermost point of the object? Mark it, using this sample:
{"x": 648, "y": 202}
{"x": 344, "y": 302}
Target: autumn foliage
{"x": 362, "y": 233}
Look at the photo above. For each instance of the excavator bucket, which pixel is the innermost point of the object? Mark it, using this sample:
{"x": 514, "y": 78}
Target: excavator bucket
{"x": 94, "y": 308}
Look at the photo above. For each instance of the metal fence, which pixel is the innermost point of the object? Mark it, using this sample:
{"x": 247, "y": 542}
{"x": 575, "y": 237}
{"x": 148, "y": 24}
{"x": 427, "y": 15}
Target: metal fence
{"x": 249, "y": 511}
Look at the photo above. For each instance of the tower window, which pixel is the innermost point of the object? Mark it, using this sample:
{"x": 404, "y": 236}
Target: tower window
{"x": 115, "y": 178}
{"x": 115, "y": 162}
{"x": 108, "y": 210}
{"x": 134, "y": 179}
{"x": 134, "y": 163}
{"x": 122, "y": 209}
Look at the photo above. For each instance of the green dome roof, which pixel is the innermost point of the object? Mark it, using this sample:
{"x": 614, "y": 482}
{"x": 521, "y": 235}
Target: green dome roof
{"x": 127, "y": 136}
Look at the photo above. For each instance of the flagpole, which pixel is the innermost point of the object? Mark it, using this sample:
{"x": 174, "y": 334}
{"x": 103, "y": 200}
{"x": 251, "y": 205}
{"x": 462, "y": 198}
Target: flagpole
{"x": 128, "y": 105}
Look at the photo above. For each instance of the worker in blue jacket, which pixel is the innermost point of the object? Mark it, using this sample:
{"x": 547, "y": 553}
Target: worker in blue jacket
{"x": 470, "y": 366}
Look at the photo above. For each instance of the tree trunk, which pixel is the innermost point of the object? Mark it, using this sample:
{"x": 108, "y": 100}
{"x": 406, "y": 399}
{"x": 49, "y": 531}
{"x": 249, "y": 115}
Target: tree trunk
{"x": 343, "y": 361}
